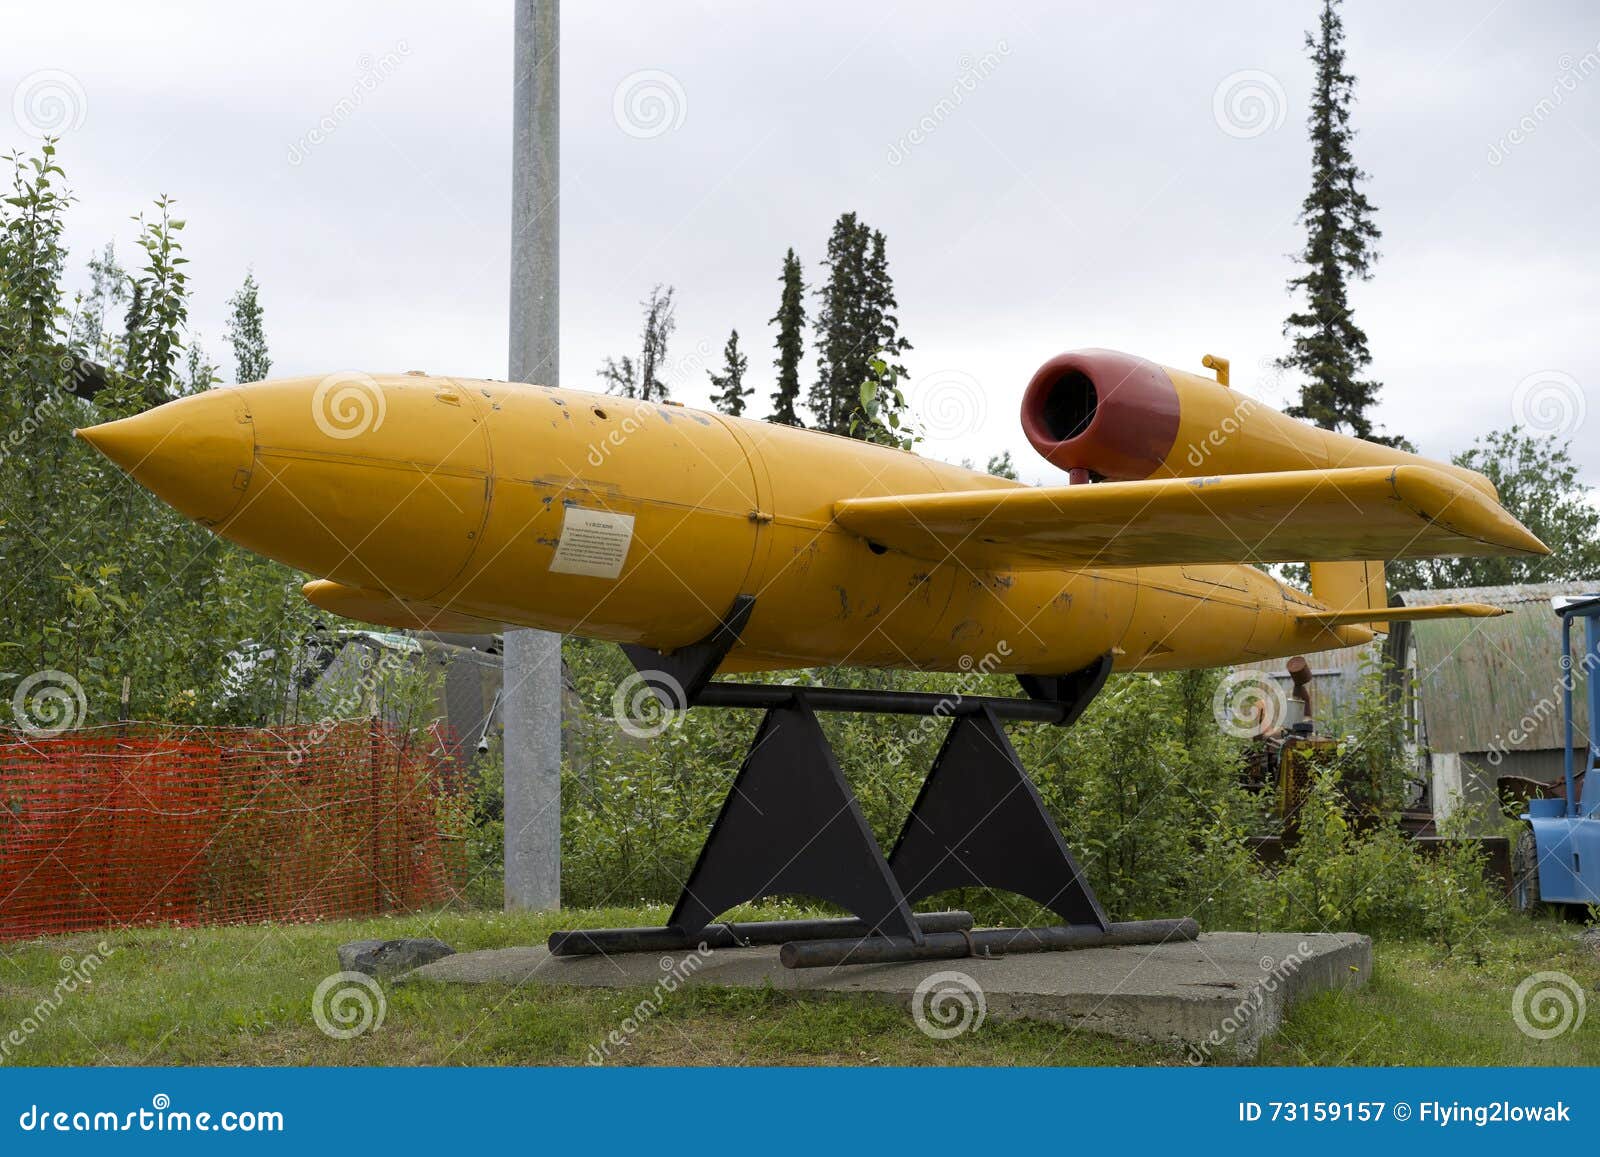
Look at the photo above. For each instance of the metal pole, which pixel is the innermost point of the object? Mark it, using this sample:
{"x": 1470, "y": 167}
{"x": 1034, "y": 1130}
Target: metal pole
{"x": 532, "y": 682}
{"x": 1568, "y": 677}
{"x": 1591, "y": 687}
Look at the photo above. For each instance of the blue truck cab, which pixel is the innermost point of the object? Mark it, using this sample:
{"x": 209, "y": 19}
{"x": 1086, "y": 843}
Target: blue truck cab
{"x": 1557, "y": 858}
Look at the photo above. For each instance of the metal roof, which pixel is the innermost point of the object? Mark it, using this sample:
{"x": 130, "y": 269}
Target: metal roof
{"x": 1335, "y": 676}
{"x": 1492, "y": 684}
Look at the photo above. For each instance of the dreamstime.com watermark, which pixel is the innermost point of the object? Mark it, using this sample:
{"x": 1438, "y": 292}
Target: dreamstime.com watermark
{"x": 1248, "y": 704}
{"x": 48, "y": 703}
{"x": 947, "y": 1004}
{"x": 1547, "y": 1005}
{"x": 49, "y": 103}
{"x": 948, "y": 404}
{"x": 20, "y": 435}
{"x": 160, "y": 1117}
{"x": 347, "y": 404}
{"x": 1274, "y": 973}
{"x": 971, "y": 73}
{"x": 677, "y": 371}
{"x": 648, "y": 704}
{"x": 355, "y": 698}
{"x": 76, "y": 972}
{"x": 371, "y": 72}
{"x": 1569, "y": 75}
{"x": 950, "y": 702}
{"x": 1549, "y": 402}
{"x": 348, "y": 1004}
{"x": 1248, "y": 103}
{"x": 649, "y": 103}
{"x": 1218, "y": 436}
{"x": 1546, "y": 708}
{"x": 676, "y": 974}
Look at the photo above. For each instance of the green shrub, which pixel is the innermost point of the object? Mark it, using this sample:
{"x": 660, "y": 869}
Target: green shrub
{"x": 1146, "y": 789}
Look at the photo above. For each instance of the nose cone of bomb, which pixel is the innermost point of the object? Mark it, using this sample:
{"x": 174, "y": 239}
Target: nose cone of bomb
{"x": 196, "y": 454}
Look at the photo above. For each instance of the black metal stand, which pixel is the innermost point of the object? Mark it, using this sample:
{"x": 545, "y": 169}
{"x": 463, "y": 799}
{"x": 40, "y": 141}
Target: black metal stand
{"x": 792, "y": 826}
{"x": 979, "y": 822}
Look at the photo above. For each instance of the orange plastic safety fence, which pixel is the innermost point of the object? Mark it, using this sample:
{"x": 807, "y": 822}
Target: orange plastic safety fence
{"x": 147, "y": 824}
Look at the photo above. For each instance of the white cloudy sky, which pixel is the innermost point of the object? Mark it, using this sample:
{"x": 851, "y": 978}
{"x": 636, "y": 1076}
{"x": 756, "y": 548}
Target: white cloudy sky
{"x": 1083, "y": 193}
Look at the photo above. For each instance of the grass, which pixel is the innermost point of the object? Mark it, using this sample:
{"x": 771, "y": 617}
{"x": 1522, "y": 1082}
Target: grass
{"x": 242, "y": 996}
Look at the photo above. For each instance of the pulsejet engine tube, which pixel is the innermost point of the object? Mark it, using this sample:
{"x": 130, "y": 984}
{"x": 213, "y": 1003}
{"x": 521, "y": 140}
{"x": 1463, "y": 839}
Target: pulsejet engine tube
{"x": 1113, "y": 416}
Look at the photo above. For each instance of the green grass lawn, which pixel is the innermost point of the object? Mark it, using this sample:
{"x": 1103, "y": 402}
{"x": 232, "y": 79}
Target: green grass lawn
{"x": 243, "y": 996}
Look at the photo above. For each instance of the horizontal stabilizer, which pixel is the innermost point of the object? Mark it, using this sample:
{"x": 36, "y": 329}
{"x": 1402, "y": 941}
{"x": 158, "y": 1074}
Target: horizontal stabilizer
{"x": 1402, "y": 614}
{"x": 1366, "y": 512}
{"x": 386, "y": 611}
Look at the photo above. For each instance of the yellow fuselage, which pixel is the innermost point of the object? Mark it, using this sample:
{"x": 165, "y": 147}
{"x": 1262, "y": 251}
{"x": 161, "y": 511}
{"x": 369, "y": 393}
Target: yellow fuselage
{"x": 444, "y": 501}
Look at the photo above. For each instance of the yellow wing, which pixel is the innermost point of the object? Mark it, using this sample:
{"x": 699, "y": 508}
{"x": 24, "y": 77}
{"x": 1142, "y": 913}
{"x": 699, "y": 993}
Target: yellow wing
{"x": 1367, "y": 512}
{"x": 1403, "y": 614}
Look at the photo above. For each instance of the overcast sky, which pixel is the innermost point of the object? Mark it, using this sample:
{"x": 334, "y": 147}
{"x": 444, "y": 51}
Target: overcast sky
{"x": 1049, "y": 176}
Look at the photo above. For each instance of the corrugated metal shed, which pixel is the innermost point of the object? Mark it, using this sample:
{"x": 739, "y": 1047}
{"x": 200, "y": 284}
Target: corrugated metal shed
{"x": 1334, "y": 676}
{"x": 1490, "y": 684}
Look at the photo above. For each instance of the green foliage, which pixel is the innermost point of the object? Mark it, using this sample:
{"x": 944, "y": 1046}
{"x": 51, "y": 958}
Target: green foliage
{"x": 1147, "y": 793}
{"x": 791, "y": 322}
{"x": 251, "y": 361}
{"x": 634, "y": 812}
{"x": 199, "y": 373}
{"x": 1145, "y": 787}
{"x": 882, "y": 414}
{"x": 1372, "y": 762}
{"x": 481, "y": 823}
{"x": 1371, "y": 878}
{"x": 731, "y": 390}
{"x": 1327, "y": 345}
{"x": 158, "y": 310}
{"x": 103, "y": 581}
{"x": 1001, "y": 466}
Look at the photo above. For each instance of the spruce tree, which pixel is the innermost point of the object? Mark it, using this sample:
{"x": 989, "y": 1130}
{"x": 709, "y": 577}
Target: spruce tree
{"x": 1001, "y": 466}
{"x": 790, "y": 320}
{"x": 659, "y": 323}
{"x": 882, "y": 322}
{"x": 643, "y": 380}
{"x": 730, "y": 383}
{"x": 619, "y": 377}
{"x": 199, "y": 373}
{"x": 843, "y": 345}
{"x": 1326, "y": 344}
{"x": 251, "y": 363}
{"x": 858, "y": 336}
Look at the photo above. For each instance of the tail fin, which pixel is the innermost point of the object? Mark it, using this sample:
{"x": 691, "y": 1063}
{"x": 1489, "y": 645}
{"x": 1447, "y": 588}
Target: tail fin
{"x": 1351, "y": 586}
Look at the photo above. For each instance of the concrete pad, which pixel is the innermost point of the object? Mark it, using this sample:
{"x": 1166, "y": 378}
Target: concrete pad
{"x": 1220, "y": 995}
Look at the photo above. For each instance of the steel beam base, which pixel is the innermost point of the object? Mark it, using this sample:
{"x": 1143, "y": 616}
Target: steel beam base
{"x": 726, "y": 934}
{"x": 981, "y": 943}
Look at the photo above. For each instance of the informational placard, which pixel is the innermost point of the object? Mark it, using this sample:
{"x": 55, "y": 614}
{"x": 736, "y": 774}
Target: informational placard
{"x": 593, "y": 542}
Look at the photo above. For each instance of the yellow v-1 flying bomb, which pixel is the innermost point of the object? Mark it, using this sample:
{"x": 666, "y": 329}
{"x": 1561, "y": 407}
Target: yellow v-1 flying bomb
{"x": 704, "y": 543}
{"x": 454, "y": 504}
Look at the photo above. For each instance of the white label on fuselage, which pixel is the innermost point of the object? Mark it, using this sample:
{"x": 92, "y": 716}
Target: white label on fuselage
{"x": 593, "y": 542}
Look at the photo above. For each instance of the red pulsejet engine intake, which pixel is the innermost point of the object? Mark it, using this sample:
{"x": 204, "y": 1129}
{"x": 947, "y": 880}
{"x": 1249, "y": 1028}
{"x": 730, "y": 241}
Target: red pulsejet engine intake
{"x": 1099, "y": 414}
{"x": 1108, "y": 416}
